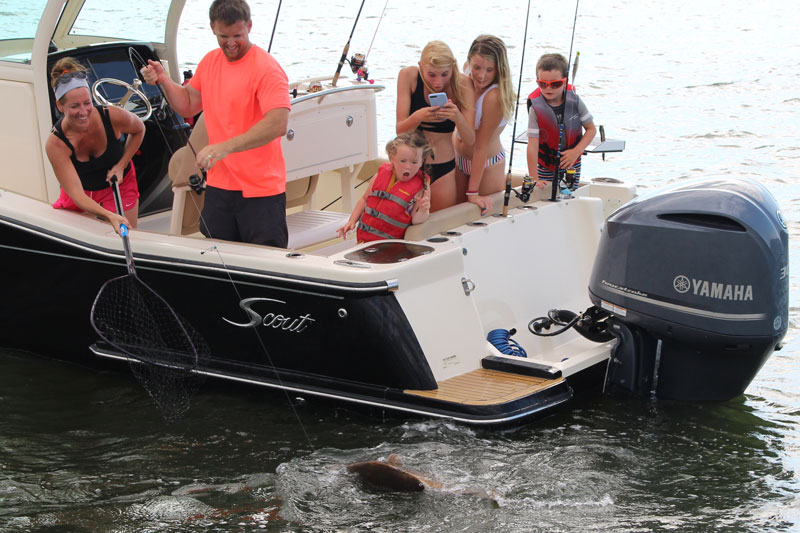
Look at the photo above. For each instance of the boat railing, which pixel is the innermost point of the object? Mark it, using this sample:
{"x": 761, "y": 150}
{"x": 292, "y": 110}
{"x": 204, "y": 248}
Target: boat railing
{"x": 325, "y": 92}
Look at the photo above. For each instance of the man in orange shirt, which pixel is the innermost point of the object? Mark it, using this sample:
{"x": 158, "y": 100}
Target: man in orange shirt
{"x": 244, "y": 93}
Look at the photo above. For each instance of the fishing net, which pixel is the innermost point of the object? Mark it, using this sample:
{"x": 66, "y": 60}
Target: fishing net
{"x": 164, "y": 351}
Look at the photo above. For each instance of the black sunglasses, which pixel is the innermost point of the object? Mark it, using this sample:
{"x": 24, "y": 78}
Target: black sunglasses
{"x": 78, "y": 74}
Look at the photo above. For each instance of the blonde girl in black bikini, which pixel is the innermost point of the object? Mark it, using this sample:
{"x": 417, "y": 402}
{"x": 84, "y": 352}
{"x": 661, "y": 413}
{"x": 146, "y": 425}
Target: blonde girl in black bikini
{"x": 436, "y": 72}
{"x": 480, "y": 167}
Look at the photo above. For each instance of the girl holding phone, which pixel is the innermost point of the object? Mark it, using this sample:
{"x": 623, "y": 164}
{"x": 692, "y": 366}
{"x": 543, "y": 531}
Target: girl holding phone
{"x": 436, "y": 72}
{"x": 480, "y": 159}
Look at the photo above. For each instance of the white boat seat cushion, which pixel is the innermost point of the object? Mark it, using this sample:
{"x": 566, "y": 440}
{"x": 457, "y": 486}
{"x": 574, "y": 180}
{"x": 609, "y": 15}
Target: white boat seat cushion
{"x": 312, "y": 227}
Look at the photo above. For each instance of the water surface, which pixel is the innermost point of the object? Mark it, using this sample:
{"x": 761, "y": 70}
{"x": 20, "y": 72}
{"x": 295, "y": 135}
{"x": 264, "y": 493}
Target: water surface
{"x": 697, "y": 89}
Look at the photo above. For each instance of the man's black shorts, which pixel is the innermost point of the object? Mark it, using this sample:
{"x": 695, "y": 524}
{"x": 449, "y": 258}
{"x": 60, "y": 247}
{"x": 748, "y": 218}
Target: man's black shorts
{"x": 229, "y": 216}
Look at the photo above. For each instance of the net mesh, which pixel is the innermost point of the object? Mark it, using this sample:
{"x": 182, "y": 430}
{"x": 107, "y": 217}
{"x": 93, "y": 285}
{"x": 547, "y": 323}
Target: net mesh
{"x": 164, "y": 351}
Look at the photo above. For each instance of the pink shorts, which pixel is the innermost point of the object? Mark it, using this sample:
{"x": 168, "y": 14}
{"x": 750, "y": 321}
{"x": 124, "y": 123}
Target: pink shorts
{"x": 128, "y": 192}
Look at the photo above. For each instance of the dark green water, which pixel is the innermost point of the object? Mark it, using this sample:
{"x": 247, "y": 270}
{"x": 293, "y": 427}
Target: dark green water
{"x": 82, "y": 450}
{"x": 698, "y": 89}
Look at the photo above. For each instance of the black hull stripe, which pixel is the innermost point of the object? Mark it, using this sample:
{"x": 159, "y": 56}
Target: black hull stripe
{"x": 308, "y": 283}
{"x": 493, "y": 421}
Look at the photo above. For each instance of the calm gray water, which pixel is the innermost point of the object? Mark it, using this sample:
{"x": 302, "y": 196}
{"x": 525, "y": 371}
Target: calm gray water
{"x": 697, "y": 89}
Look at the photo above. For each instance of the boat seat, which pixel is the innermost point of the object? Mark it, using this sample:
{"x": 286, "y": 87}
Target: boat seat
{"x": 466, "y": 212}
{"x": 458, "y": 215}
{"x": 187, "y": 204}
{"x": 307, "y": 228}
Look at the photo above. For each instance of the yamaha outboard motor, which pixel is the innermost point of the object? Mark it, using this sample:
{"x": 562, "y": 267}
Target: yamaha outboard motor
{"x": 696, "y": 281}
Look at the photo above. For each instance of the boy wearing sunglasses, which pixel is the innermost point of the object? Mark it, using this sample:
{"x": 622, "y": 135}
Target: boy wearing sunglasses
{"x": 551, "y": 105}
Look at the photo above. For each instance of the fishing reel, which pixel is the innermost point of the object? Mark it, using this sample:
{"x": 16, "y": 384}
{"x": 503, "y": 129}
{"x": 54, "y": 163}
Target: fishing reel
{"x": 570, "y": 178}
{"x": 358, "y": 64}
{"x": 197, "y": 183}
{"x": 524, "y": 194}
{"x": 565, "y": 181}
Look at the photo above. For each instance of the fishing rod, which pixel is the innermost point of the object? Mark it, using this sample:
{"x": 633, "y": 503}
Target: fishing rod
{"x": 274, "y": 25}
{"x": 527, "y": 183}
{"x": 572, "y": 39}
{"x": 198, "y": 188}
{"x": 558, "y": 172}
{"x": 571, "y": 172}
{"x": 347, "y": 47}
{"x": 197, "y": 182}
{"x": 358, "y": 62}
{"x": 376, "y": 30}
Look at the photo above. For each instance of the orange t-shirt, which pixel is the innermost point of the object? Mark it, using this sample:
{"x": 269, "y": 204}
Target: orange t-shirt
{"x": 236, "y": 95}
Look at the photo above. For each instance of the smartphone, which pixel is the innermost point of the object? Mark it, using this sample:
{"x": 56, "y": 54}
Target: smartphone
{"x": 437, "y": 99}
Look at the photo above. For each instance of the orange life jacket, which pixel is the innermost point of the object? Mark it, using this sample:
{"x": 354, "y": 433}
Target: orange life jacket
{"x": 388, "y": 210}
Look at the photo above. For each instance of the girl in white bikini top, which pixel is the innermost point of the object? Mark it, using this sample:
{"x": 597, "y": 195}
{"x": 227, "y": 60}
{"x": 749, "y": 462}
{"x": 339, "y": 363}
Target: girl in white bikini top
{"x": 479, "y": 173}
{"x": 479, "y": 108}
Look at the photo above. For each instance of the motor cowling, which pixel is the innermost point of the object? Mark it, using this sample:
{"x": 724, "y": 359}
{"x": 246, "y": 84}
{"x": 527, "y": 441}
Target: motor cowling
{"x": 699, "y": 273}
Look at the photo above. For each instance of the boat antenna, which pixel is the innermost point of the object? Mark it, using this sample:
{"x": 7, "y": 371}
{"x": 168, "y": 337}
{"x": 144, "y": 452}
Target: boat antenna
{"x": 274, "y": 25}
{"x": 347, "y": 46}
{"x": 527, "y": 185}
{"x": 558, "y": 173}
{"x": 376, "y": 31}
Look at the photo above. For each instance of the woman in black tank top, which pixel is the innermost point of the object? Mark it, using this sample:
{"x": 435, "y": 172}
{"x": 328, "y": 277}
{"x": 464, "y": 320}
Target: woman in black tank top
{"x": 437, "y": 72}
{"x": 86, "y": 147}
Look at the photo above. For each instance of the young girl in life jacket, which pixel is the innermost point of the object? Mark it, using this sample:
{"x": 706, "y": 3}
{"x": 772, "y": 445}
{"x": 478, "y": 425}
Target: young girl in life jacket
{"x": 553, "y": 104}
{"x": 397, "y": 196}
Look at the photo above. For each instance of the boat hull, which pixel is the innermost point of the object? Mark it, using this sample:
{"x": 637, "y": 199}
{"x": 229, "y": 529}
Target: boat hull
{"x": 254, "y": 321}
{"x": 340, "y": 341}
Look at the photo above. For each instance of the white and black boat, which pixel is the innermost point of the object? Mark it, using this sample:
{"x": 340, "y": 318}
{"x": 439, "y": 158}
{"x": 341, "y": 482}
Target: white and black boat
{"x": 687, "y": 288}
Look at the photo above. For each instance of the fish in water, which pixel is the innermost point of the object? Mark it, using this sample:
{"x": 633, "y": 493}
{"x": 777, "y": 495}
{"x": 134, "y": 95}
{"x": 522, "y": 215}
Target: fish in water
{"x": 391, "y": 474}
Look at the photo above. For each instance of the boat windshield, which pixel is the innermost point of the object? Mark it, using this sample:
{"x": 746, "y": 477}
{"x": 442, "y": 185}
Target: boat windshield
{"x": 130, "y": 21}
{"x": 18, "y": 24}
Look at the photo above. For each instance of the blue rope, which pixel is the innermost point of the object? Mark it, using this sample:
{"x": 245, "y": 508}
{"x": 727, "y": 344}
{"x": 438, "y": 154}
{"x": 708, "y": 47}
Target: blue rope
{"x": 501, "y": 339}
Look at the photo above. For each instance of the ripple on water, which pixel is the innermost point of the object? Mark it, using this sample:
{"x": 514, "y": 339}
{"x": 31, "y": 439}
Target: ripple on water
{"x": 83, "y": 451}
